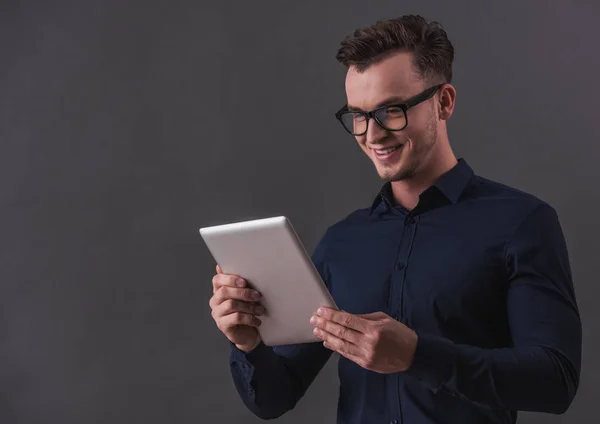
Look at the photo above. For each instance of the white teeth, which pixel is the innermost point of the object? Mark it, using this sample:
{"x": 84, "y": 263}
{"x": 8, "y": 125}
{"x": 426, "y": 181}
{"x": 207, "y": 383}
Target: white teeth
{"x": 386, "y": 151}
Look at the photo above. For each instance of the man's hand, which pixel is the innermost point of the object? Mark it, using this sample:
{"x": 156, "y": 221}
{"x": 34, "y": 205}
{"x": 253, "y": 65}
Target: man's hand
{"x": 374, "y": 341}
{"x": 235, "y": 309}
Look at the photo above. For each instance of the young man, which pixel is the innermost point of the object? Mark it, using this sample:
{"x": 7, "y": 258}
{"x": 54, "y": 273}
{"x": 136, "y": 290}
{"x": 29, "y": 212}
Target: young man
{"x": 456, "y": 290}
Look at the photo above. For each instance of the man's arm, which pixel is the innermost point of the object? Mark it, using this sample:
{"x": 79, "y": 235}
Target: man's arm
{"x": 271, "y": 380}
{"x": 540, "y": 372}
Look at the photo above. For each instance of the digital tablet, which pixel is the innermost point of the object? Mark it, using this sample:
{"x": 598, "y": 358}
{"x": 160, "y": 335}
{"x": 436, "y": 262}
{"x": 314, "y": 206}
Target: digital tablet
{"x": 269, "y": 255}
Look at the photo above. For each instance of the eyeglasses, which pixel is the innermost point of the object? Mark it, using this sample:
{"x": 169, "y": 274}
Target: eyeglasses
{"x": 389, "y": 117}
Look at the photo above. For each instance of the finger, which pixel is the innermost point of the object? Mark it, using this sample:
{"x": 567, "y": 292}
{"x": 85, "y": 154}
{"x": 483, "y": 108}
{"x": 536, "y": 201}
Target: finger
{"x": 221, "y": 280}
{"x": 344, "y": 333}
{"x": 219, "y": 270}
{"x": 339, "y": 345}
{"x": 238, "y": 318}
{"x": 227, "y": 292}
{"x": 231, "y": 306}
{"x": 343, "y": 318}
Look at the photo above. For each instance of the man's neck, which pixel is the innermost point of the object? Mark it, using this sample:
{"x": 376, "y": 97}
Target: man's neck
{"x": 407, "y": 192}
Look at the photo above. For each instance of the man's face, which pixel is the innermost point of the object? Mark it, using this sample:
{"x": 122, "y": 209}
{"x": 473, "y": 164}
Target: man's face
{"x": 390, "y": 81}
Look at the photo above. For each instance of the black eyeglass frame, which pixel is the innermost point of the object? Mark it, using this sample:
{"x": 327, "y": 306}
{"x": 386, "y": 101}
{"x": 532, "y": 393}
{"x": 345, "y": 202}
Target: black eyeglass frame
{"x": 413, "y": 101}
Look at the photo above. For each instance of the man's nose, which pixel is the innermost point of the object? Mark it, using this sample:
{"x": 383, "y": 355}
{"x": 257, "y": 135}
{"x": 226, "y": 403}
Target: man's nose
{"x": 374, "y": 132}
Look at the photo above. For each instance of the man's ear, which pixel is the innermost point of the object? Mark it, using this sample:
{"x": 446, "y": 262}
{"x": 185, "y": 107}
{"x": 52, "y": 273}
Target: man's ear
{"x": 446, "y": 102}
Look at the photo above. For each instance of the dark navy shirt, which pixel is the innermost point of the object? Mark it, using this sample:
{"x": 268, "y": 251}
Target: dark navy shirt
{"x": 480, "y": 271}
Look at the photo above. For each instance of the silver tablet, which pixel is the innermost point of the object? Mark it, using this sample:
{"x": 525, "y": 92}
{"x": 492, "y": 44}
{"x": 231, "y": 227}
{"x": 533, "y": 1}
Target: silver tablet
{"x": 270, "y": 256}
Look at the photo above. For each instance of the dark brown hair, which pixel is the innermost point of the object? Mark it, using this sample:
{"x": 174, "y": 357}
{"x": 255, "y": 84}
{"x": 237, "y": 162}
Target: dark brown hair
{"x": 428, "y": 41}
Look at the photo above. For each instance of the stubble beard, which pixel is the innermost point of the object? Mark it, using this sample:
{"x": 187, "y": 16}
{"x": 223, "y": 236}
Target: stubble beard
{"x": 414, "y": 160}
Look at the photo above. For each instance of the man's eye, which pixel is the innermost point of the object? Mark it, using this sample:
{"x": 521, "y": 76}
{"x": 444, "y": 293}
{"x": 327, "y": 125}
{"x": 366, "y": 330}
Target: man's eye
{"x": 393, "y": 111}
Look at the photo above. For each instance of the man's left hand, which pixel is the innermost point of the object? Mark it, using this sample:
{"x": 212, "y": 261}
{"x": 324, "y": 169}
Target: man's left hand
{"x": 374, "y": 341}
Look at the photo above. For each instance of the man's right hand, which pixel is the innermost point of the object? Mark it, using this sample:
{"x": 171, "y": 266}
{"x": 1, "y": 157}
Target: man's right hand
{"x": 235, "y": 309}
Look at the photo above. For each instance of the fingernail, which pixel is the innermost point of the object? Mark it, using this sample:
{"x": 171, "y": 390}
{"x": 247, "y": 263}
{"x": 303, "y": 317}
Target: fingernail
{"x": 260, "y": 310}
{"x": 313, "y": 320}
{"x": 255, "y": 295}
{"x": 239, "y": 282}
{"x": 321, "y": 311}
{"x": 316, "y": 331}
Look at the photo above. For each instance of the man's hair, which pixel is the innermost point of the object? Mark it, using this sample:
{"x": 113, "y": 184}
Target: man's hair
{"x": 428, "y": 41}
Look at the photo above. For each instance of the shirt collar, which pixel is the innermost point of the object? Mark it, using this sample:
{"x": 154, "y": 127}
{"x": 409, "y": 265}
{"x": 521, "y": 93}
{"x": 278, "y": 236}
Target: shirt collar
{"x": 451, "y": 184}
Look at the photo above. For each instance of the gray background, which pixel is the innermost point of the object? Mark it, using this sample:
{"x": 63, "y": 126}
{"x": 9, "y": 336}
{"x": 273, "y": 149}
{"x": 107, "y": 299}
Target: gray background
{"x": 125, "y": 126}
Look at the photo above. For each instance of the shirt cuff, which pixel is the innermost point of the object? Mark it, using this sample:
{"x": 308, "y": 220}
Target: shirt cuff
{"x": 252, "y": 358}
{"x": 433, "y": 360}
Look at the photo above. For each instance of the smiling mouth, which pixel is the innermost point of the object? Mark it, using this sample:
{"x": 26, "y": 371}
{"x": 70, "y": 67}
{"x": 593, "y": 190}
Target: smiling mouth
{"x": 387, "y": 150}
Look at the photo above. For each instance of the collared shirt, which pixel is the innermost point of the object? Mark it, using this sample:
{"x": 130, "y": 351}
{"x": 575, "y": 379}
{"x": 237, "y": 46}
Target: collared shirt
{"x": 480, "y": 271}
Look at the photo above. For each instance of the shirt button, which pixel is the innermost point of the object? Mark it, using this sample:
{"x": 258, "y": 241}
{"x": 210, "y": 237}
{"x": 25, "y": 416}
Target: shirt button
{"x": 394, "y": 422}
{"x": 399, "y": 266}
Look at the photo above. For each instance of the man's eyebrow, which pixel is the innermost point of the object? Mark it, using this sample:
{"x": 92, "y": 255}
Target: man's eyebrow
{"x": 385, "y": 102}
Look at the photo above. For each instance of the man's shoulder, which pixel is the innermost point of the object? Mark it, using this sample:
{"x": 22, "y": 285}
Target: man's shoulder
{"x": 502, "y": 196}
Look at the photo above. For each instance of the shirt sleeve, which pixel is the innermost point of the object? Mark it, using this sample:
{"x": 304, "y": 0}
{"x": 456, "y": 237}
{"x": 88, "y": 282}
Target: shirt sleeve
{"x": 271, "y": 380}
{"x": 540, "y": 371}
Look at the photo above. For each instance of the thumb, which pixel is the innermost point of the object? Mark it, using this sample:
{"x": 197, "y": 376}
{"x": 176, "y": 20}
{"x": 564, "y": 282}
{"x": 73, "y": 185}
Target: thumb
{"x": 374, "y": 316}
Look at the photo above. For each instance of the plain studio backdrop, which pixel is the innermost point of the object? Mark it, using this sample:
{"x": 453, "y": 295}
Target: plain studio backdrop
{"x": 126, "y": 126}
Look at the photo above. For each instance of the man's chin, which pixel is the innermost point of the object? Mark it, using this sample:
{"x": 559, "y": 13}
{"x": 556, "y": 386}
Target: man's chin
{"x": 393, "y": 175}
